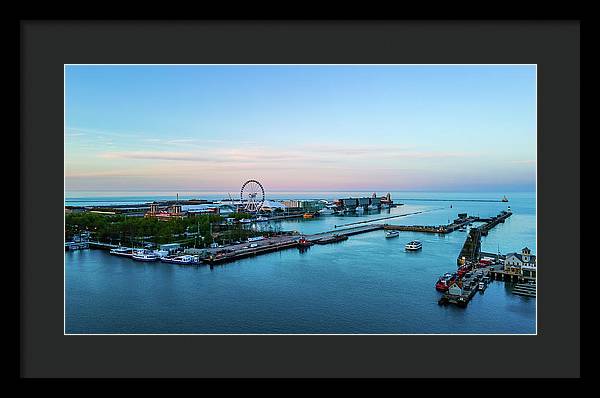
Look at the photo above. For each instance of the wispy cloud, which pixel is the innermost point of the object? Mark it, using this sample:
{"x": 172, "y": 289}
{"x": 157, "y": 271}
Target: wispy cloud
{"x": 528, "y": 161}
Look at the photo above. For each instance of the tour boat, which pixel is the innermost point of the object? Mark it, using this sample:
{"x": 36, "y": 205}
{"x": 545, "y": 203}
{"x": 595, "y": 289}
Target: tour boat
{"x": 444, "y": 282}
{"x": 121, "y": 251}
{"x": 392, "y": 234}
{"x": 414, "y": 245}
{"x": 185, "y": 259}
{"x": 144, "y": 255}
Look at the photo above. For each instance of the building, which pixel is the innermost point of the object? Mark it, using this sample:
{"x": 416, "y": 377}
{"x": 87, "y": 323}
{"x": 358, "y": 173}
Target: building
{"x": 174, "y": 211}
{"x": 169, "y": 247}
{"x": 363, "y": 201}
{"x": 455, "y": 290}
{"x": 349, "y": 203}
{"x": 522, "y": 264}
{"x": 375, "y": 201}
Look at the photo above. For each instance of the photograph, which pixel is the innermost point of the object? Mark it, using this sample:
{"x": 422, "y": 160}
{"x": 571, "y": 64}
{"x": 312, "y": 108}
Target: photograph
{"x": 300, "y": 199}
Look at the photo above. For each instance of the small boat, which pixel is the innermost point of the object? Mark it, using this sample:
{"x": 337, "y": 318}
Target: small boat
{"x": 504, "y": 199}
{"x": 121, "y": 251}
{"x": 392, "y": 234}
{"x": 246, "y": 220}
{"x": 144, "y": 255}
{"x": 261, "y": 218}
{"x": 445, "y": 281}
{"x": 413, "y": 245}
{"x": 482, "y": 285}
{"x": 185, "y": 259}
{"x": 308, "y": 215}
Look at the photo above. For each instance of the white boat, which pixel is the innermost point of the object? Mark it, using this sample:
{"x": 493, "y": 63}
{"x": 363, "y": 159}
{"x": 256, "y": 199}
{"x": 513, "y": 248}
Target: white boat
{"x": 261, "y": 218}
{"x": 414, "y": 245}
{"x": 121, "y": 251}
{"x": 185, "y": 259}
{"x": 245, "y": 220}
{"x": 360, "y": 209}
{"x": 482, "y": 285}
{"x": 144, "y": 255}
{"x": 392, "y": 234}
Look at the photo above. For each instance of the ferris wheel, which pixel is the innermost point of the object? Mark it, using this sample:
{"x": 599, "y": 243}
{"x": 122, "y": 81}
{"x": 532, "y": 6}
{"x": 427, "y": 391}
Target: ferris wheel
{"x": 252, "y": 195}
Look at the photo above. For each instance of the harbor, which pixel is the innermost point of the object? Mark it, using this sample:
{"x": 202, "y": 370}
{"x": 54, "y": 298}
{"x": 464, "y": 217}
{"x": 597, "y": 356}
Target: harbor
{"x": 337, "y": 243}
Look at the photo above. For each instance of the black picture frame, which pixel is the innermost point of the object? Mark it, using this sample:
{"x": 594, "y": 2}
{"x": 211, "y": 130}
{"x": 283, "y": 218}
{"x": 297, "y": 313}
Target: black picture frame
{"x": 45, "y": 46}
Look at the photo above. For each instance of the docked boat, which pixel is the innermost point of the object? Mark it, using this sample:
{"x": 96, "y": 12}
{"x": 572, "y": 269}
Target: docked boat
{"x": 246, "y": 220}
{"x": 144, "y": 255}
{"x": 481, "y": 286}
{"x": 392, "y": 234}
{"x": 261, "y": 218}
{"x": 462, "y": 229}
{"x": 185, "y": 259}
{"x": 121, "y": 251}
{"x": 413, "y": 245}
{"x": 445, "y": 281}
{"x": 302, "y": 242}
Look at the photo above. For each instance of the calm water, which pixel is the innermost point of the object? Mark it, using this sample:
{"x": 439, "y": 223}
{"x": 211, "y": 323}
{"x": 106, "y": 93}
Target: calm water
{"x": 367, "y": 284}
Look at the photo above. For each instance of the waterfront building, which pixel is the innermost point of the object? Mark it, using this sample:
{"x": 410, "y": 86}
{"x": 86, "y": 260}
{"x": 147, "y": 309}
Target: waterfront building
{"x": 271, "y": 205}
{"x": 171, "y": 212}
{"x": 349, "y": 203}
{"x": 363, "y": 201}
{"x": 522, "y": 264}
{"x": 169, "y": 247}
{"x": 375, "y": 202}
{"x": 455, "y": 290}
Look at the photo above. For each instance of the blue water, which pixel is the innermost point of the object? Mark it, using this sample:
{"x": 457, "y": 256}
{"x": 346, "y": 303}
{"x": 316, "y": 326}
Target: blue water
{"x": 367, "y": 284}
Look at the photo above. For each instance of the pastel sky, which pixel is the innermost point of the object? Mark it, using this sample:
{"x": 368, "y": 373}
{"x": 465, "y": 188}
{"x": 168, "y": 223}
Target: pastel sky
{"x": 295, "y": 128}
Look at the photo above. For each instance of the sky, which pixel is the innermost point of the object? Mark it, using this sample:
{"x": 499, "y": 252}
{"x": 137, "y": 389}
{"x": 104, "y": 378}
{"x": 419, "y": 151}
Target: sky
{"x": 197, "y": 128}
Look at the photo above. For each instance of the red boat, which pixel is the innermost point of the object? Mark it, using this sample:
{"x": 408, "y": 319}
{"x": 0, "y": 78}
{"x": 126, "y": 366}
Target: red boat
{"x": 463, "y": 270}
{"x": 302, "y": 242}
{"x": 445, "y": 281}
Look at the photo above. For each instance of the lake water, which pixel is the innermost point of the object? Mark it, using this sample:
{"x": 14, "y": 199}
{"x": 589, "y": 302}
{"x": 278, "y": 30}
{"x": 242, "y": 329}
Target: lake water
{"x": 366, "y": 284}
